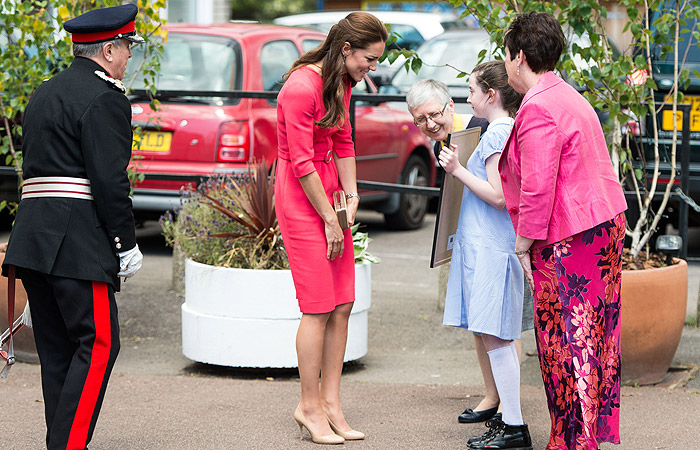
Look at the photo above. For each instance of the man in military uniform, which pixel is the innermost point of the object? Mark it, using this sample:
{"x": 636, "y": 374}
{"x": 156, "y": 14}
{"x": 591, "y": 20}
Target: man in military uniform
{"x": 74, "y": 232}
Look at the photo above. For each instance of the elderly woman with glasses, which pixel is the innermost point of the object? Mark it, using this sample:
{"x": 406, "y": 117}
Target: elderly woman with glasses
{"x": 483, "y": 226}
{"x": 434, "y": 114}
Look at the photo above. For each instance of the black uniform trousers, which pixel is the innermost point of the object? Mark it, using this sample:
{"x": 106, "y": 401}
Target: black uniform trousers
{"x": 76, "y": 330}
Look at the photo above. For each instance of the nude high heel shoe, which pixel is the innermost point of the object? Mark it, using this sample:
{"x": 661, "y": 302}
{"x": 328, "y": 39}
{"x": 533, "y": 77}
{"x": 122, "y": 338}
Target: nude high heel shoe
{"x": 330, "y": 439}
{"x": 351, "y": 435}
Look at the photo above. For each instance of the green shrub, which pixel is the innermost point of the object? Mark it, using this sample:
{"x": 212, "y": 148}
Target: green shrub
{"x": 230, "y": 221}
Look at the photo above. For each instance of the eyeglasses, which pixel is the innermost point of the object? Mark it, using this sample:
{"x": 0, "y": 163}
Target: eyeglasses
{"x": 432, "y": 116}
{"x": 125, "y": 43}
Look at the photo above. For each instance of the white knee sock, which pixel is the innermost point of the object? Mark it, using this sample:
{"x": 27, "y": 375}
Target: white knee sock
{"x": 506, "y": 374}
{"x": 514, "y": 349}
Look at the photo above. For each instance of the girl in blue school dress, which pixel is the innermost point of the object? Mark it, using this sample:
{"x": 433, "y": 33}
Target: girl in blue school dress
{"x": 485, "y": 286}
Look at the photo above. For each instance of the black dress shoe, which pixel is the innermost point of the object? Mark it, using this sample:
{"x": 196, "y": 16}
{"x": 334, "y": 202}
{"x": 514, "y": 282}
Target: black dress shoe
{"x": 511, "y": 437}
{"x": 493, "y": 425}
{"x": 471, "y": 416}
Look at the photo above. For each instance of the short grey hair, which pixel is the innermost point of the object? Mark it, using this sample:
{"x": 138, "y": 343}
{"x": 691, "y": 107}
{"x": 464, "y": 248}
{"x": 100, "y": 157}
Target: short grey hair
{"x": 425, "y": 90}
{"x": 94, "y": 49}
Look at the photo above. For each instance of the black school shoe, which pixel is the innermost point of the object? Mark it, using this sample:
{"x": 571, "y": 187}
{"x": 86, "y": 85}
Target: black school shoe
{"x": 471, "y": 416}
{"x": 512, "y": 437}
{"x": 493, "y": 425}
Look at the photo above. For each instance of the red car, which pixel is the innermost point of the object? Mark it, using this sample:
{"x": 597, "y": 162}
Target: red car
{"x": 193, "y": 137}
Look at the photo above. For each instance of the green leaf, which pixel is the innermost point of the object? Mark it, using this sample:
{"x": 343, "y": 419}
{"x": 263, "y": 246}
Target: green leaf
{"x": 416, "y": 64}
{"x": 636, "y": 29}
{"x": 392, "y": 56}
{"x": 632, "y": 12}
{"x": 614, "y": 109}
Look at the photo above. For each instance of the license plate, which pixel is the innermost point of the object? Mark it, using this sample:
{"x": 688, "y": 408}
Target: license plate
{"x": 152, "y": 141}
{"x": 667, "y": 118}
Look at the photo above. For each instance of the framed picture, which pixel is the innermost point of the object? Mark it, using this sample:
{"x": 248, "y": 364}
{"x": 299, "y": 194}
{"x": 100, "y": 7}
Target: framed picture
{"x": 451, "y": 199}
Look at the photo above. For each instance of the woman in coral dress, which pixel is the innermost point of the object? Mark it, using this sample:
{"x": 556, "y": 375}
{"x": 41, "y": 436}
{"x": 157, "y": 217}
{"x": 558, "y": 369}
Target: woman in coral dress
{"x": 316, "y": 157}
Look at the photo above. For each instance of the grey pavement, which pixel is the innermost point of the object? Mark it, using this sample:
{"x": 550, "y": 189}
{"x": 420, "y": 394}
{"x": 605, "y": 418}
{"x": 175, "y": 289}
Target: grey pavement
{"x": 405, "y": 393}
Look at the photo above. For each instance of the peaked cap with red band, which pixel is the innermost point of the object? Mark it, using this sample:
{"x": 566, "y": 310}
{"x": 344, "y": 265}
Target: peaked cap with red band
{"x": 105, "y": 24}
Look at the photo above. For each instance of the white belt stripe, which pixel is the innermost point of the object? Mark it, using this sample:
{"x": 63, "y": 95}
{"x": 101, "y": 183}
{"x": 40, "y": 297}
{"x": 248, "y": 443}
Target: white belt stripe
{"x": 65, "y": 187}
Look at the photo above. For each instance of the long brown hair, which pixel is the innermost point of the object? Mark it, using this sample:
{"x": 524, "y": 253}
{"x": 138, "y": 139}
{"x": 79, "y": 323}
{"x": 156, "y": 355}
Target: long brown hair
{"x": 361, "y": 30}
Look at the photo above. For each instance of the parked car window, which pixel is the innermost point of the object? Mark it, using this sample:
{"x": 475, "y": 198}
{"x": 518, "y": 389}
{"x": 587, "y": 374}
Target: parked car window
{"x": 458, "y": 49}
{"x": 177, "y": 67}
{"x": 361, "y": 88}
{"x": 276, "y": 58}
{"x": 218, "y": 66}
{"x": 323, "y": 27}
{"x": 410, "y": 37}
{"x": 688, "y": 53}
{"x": 193, "y": 63}
{"x": 468, "y": 22}
{"x": 310, "y": 44}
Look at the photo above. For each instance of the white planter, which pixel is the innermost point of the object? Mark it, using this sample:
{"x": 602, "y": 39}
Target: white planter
{"x": 249, "y": 318}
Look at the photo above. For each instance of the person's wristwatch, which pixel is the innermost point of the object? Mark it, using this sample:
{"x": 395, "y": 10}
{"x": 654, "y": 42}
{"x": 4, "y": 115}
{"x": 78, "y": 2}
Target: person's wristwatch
{"x": 350, "y": 195}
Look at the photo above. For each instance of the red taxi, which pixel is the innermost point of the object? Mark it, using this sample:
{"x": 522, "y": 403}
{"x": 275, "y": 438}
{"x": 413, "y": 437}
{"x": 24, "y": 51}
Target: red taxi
{"x": 195, "y": 136}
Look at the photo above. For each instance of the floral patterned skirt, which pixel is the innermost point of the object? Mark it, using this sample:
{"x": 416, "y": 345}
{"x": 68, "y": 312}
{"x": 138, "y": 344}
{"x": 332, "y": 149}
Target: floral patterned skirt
{"x": 577, "y": 328}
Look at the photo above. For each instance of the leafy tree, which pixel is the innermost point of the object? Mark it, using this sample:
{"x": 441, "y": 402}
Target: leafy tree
{"x": 617, "y": 85}
{"x": 265, "y": 11}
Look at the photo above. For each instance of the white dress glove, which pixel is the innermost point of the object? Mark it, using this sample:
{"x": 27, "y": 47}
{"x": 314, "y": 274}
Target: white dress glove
{"x": 129, "y": 262}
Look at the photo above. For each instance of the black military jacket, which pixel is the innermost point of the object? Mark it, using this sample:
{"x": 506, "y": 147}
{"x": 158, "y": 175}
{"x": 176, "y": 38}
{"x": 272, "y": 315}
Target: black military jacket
{"x": 76, "y": 125}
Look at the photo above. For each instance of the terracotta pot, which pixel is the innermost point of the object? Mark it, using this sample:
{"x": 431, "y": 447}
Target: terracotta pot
{"x": 25, "y": 350}
{"x": 652, "y": 317}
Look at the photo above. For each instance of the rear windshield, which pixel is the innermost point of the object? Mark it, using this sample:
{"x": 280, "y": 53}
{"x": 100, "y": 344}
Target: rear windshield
{"x": 442, "y": 56}
{"x": 687, "y": 43}
{"x": 688, "y": 49}
{"x": 451, "y": 25}
{"x": 193, "y": 62}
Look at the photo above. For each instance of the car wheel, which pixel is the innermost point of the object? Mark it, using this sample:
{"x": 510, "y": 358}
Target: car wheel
{"x": 412, "y": 207}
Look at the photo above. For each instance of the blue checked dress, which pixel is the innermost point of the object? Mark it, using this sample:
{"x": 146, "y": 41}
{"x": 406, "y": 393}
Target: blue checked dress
{"x": 485, "y": 286}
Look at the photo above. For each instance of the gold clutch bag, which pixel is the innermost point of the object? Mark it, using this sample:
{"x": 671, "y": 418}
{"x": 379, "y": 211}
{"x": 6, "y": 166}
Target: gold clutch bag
{"x": 341, "y": 209}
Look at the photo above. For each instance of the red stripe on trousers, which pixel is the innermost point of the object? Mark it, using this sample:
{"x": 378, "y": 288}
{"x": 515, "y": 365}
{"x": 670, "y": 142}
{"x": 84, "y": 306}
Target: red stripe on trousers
{"x": 98, "y": 365}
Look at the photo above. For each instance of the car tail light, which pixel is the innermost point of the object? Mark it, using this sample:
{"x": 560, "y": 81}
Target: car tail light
{"x": 233, "y": 143}
{"x": 634, "y": 128}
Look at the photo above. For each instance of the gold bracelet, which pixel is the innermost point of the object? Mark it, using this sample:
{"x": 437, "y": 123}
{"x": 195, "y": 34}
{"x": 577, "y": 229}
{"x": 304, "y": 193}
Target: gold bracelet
{"x": 521, "y": 252}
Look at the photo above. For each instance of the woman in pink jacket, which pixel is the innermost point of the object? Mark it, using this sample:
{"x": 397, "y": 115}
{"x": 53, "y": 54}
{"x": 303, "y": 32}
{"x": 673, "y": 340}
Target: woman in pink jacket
{"x": 567, "y": 207}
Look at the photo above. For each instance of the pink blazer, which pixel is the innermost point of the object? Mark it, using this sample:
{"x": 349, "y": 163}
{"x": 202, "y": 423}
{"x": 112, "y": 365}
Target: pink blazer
{"x": 555, "y": 168}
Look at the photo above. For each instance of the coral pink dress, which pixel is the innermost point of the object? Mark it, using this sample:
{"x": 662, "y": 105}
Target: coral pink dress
{"x": 302, "y": 148}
